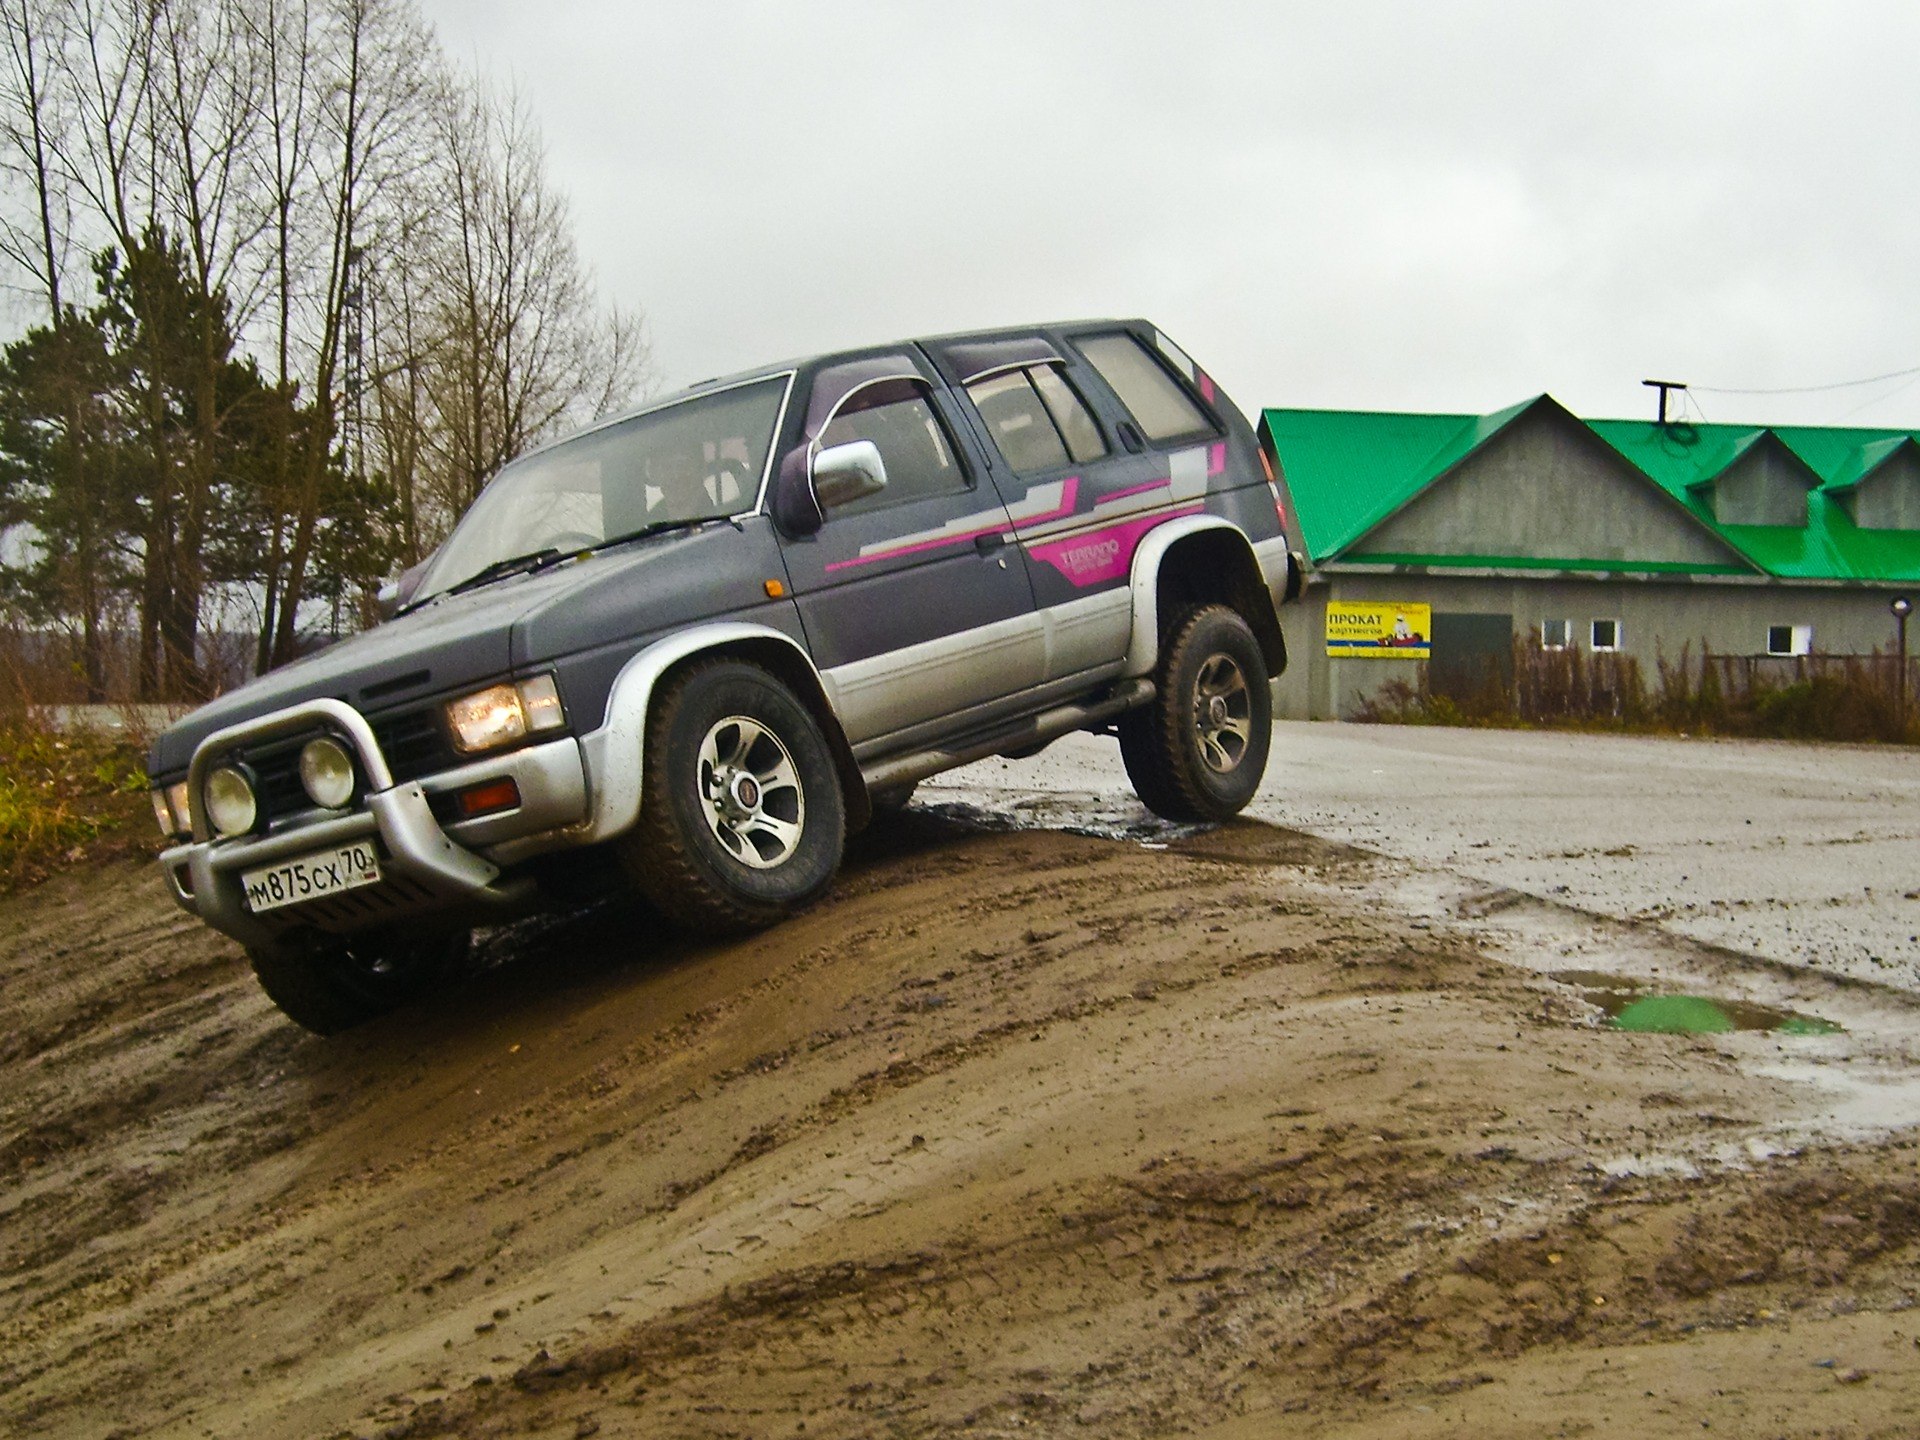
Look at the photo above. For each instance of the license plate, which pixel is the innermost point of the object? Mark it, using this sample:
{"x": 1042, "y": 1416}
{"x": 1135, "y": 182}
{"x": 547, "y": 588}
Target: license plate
{"x": 311, "y": 877}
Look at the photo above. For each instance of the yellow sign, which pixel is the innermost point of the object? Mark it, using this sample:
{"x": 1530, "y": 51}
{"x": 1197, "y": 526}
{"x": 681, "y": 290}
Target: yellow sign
{"x": 1363, "y": 630}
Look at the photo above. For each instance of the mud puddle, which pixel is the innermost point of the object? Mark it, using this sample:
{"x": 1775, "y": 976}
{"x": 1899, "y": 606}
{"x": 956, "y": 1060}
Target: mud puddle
{"x": 1632, "y": 1005}
{"x": 1854, "y": 1067}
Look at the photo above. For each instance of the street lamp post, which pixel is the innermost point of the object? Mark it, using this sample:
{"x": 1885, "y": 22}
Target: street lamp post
{"x": 1901, "y": 607}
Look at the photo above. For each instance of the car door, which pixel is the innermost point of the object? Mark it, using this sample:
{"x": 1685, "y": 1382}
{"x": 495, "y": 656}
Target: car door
{"x": 917, "y": 613}
{"x": 1080, "y": 483}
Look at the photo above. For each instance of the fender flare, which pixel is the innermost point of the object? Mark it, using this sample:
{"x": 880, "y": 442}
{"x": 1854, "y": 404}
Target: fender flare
{"x": 1143, "y": 648}
{"x": 614, "y": 754}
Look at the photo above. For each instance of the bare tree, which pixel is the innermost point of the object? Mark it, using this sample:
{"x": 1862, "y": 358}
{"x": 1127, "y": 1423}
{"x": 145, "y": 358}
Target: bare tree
{"x": 522, "y": 347}
{"x": 330, "y": 268}
{"x": 31, "y": 127}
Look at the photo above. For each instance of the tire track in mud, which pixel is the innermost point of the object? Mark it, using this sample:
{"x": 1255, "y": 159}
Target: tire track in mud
{"x": 1019, "y": 1130}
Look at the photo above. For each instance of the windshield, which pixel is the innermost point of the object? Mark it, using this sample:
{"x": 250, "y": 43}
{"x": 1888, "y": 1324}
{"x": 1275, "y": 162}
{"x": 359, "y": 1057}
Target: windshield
{"x": 700, "y": 459}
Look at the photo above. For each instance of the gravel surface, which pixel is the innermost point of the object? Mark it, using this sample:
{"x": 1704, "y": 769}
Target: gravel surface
{"x": 1807, "y": 854}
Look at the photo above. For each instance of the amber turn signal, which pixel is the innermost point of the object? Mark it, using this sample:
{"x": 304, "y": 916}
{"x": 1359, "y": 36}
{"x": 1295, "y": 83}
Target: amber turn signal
{"x": 774, "y": 589}
{"x": 487, "y": 798}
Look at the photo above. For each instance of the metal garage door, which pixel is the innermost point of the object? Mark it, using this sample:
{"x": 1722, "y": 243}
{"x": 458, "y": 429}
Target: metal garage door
{"x": 1472, "y": 661}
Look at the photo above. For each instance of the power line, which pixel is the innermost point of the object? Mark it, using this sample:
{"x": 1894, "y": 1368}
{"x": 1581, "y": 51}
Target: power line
{"x": 1813, "y": 389}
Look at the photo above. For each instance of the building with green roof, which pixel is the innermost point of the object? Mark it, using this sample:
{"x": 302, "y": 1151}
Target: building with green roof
{"x": 1614, "y": 535}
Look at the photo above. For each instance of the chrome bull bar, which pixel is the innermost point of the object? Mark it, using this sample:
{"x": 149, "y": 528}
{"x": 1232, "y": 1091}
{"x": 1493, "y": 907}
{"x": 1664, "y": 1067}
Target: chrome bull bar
{"x": 440, "y": 873}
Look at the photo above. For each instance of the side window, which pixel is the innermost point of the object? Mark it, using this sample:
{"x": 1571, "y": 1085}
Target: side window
{"x": 1160, "y": 406}
{"x": 919, "y": 457}
{"x": 1789, "y": 640}
{"x": 1077, "y": 425}
{"x": 1019, "y": 424}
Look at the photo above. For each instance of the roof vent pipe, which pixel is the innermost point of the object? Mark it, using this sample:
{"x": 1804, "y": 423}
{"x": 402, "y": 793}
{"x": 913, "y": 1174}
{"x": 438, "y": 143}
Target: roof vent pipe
{"x": 1663, "y": 386}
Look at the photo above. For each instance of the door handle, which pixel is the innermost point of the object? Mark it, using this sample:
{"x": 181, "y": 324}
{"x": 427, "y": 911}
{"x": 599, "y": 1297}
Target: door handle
{"x": 991, "y": 541}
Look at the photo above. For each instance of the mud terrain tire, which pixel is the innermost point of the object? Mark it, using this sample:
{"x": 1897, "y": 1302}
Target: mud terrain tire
{"x": 742, "y": 822}
{"x": 329, "y": 984}
{"x": 1199, "y": 750}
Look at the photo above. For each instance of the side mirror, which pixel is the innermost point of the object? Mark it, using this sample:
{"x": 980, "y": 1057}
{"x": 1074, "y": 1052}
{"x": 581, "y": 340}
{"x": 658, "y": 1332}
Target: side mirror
{"x": 845, "y": 473}
{"x": 395, "y": 593}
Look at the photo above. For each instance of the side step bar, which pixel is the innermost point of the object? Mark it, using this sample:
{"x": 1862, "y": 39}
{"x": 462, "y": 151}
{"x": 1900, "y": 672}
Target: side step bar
{"x": 1027, "y": 734}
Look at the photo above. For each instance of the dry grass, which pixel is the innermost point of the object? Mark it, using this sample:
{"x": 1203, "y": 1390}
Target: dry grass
{"x": 1812, "y": 697}
{"x": 67, "y": 798}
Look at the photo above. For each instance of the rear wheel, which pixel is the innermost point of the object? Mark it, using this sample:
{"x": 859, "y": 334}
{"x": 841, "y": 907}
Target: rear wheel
{"x": 1199, "y": 750}
{"x": 741, "y": 817}
{"x": 332, "y": 983}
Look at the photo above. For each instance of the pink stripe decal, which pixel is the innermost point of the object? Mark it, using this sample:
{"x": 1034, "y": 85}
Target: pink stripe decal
{"x": 957, "y": 538}
{"x": 1216, "y": 459}
{"x": 1206, "y": 387}
{"x": 1097, "y": 556}
{"x": 1135, "y": 490}
{"x": 1068, "y": 495}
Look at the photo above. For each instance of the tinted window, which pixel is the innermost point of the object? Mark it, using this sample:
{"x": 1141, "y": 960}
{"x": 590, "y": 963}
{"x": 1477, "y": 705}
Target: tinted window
{"x": 1018, "y": 422}
{"x": 1158, "y": 404}
{"x": 1076, "y": 423}
{"x": 919, "y": 458}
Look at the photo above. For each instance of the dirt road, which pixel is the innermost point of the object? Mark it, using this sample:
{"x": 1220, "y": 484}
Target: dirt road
{"x": 1240, "y": 1133}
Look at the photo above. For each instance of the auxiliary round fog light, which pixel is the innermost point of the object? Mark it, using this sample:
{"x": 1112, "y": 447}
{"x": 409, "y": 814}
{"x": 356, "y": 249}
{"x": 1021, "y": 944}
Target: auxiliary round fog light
{"x": 230, "y": 802}
{"x": 326, "y": 771}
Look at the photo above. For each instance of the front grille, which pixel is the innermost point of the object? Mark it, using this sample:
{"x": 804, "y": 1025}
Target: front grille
{"x": 277, "y": 768}
{"x": 414, "y": 743}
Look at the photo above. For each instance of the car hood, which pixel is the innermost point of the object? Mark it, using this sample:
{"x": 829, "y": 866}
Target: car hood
{"x": 453, "y": 644}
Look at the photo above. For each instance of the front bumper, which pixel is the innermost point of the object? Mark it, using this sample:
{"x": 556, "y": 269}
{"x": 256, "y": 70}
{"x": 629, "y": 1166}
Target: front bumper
{"x": 427, "y": 865}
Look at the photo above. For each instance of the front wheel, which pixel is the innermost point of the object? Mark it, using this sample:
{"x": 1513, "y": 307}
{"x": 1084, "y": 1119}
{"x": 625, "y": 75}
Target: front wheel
{"x": 332, "y": 983}
{"x": 741, "y": 817}
{"x": 1199, "y": 750}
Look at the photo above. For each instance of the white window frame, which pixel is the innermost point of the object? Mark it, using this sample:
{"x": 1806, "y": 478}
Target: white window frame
{"x": 1593, "y": 642}
{"x": 1565, "y": 644}
{"x": 1801, "y": 641}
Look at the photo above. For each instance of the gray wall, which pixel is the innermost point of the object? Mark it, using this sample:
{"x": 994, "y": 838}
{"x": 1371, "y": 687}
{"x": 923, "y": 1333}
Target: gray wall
{"x": 1656, "y": 617}
{"x": 1547, "y": 486}
{"x": 1766, "y": 486}
{"x": 1889, "y": 499}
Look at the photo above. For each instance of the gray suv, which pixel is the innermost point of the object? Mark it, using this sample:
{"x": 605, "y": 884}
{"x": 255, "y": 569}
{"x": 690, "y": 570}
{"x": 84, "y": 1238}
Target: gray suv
{"x": 707, "y": 640}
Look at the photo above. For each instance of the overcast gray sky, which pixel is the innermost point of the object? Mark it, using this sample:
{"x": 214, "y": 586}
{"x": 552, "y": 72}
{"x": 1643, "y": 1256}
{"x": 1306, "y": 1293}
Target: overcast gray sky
{"x": 1436, "y": 206}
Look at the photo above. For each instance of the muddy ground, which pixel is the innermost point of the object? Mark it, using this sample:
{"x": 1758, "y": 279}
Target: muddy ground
{"x": 1238, "y": 1133}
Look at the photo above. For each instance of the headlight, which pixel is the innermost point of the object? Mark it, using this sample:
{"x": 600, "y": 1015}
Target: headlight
{"x": 170, "y": 809}
{"x": 502, "y": 714}
{"x": 229, "y": 800}
{"x": 326, "y": 773}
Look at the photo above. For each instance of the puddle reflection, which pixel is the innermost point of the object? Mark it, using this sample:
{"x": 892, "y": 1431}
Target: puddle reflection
{"x": 1630, "y": 1005}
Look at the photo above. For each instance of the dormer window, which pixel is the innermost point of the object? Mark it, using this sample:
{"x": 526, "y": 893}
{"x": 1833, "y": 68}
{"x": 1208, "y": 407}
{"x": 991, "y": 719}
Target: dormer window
{"x": 1881, "y": 488}
{"x": 1764, "y": 484}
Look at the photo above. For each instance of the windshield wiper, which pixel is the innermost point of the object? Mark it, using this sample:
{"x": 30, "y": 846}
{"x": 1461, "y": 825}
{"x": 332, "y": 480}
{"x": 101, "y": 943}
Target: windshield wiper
{"x": 537, "y": 560}
{"x": 654, "y": 528}
{"x": 500, "y": 569}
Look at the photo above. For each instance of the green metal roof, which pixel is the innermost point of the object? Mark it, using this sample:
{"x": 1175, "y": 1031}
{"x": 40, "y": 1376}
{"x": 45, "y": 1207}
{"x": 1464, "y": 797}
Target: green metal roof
{"x": 1348, "y": 470}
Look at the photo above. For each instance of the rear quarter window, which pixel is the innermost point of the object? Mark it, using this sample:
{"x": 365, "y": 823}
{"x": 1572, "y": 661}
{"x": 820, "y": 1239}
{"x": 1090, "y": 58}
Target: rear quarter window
{"x": 1159, "y": 404}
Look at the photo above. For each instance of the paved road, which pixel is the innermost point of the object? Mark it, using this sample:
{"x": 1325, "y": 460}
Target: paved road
{"x": 1808, "y": 854}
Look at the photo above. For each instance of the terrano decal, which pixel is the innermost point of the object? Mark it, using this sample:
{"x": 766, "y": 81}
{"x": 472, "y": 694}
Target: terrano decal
{"x": 1094, "y": 557}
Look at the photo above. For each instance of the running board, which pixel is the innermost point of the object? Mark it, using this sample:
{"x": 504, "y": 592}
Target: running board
{"x": 1027, "y": 734}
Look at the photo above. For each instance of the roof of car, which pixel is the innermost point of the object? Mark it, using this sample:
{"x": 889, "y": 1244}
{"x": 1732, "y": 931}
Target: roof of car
{"x": 786, "y": 367}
